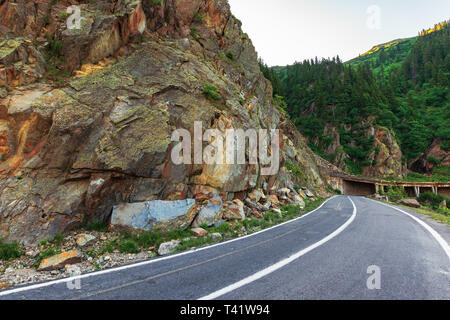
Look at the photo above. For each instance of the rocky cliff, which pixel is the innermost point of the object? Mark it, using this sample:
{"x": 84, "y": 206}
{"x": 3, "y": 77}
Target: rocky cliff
{"x": 384, "y": 161}
{"x": 86, "y": 114}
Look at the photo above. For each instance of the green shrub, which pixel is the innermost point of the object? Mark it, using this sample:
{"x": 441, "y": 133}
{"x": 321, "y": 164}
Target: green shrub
{"x": 96, "y": 226}
{"x": 199, "y": 17}
{"x": 212, "y": 92}
{"x": 58, "y": 239}
{"x": 155, "y": 3}
{"x": 148, "y": 239}
{"x": 396, "y": 193}
{"x": 230, "y": 55}
{"x": 433, "y": 199}
{"x": 434, "y": 160}
{"x": 9, "y": 251}
{"x": 128, "y": 246}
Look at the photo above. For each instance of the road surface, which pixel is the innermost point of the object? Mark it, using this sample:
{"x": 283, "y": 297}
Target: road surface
{"x": 328, "y": 254}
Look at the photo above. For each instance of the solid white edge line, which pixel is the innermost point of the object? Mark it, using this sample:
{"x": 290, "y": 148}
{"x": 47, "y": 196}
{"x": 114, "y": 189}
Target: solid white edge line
{"x": 433, "y": 232}
{"x": 139, "y": 264}
{"x": 281, "y": 263}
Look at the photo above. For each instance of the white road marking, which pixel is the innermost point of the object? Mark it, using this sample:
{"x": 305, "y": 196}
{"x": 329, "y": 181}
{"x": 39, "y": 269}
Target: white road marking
{"x": 433, "y": 232}
{"x": 93, "y": 274}
{"x": 281, "y": 263}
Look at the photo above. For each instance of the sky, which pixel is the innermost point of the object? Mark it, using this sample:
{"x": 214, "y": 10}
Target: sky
{"x": 285, "y": 31}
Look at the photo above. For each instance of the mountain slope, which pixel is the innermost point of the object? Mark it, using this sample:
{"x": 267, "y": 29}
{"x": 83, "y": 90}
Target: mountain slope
{"x": 378, "y": 112}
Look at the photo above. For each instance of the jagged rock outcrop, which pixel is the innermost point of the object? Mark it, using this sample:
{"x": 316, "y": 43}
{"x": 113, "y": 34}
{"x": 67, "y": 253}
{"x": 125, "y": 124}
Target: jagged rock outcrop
{"x": 434, "y": 156}
{"x": 385, "y": 161}
{"x": 72, "y": 150}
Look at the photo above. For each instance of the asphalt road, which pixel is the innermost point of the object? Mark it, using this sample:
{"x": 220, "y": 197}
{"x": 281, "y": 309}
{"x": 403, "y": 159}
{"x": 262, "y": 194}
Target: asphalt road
{"x": 324, "y": 255}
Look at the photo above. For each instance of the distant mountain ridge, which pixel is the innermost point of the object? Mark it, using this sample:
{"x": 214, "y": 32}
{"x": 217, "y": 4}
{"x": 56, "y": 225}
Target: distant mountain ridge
{"x": 378, "y": 113}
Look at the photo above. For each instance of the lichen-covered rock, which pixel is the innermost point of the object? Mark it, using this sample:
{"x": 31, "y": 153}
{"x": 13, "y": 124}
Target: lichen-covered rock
{"x": 233, "y": 210}
{"x": 83, "y": 239}
{"x": 167, "y": 247}
{"x": 163, "y": 215}
{"x": 387, "y": 157}
{"x": 59, "y": 261}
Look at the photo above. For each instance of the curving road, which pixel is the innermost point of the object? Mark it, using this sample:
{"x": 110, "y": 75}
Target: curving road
{"x": 323, "y": 255}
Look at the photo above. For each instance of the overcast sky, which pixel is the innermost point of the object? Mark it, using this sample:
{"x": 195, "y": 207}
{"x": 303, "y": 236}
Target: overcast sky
{"x": 285, "y": 31}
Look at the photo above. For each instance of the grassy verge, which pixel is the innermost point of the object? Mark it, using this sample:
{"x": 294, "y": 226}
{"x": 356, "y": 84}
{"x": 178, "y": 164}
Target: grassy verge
{"x": 236, "y": 229}
{"x": 126, "y": 242}
{"x": 438, "y": 216}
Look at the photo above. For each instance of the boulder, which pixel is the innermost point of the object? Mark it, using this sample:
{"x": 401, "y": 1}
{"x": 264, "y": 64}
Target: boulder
{"x": 163, "y": 215}
{"x": 59, "y": 261}
{"x": 199, "y": 232}
{"x": 216, "y": 236}
{"x": 410, "y": 203}
{"x": 298, "y": 201}
{"x": 274, "y": 199}
{"x": 167, "y": 247}
{"x": 256, "y": 195}
{"x": 211, "y": 213}
{"x": 309, "y": 194}
{"x": 256, "y": 213}
{"x": 84, "y": 239}
{"x": 233, "y": 210}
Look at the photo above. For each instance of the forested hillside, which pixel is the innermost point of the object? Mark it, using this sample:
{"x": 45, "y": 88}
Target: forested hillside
{"x": 354, "y": 113}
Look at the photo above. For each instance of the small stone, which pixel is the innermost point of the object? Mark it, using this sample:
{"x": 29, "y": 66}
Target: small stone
{"x": 84, "y": 239}
{"x": 31, "y": 254}
{"x": 199, "y": 232}
{"x": 216, "y": 236}
{"x": 256, "y": 213}
{"x": 4, "y": 285}
{"x": 9, "y": 270}
{"x": 168, "y": 247}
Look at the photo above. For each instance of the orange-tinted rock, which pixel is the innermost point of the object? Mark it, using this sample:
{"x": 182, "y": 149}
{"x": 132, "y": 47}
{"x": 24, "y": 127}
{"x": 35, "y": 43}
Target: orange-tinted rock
{"x": 60, "y": 261}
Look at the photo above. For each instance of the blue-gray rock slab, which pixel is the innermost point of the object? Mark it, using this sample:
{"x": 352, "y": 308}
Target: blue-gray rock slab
{"x": 211, "y": 213}
{"x": 151, "y": 215}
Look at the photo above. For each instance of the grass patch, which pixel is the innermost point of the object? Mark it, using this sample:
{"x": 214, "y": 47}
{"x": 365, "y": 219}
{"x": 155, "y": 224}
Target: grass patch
{"x": 100, "y": 226}
{"x": 443, "y": 216}
{"x": 9, "y": 251}
{"x": 128, "y": 246}
{"x": 233, "y": 229}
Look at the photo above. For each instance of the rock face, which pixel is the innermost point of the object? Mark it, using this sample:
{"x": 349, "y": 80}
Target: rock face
{"x": 163, "y": 215}
{"x": 384, "y": 162}
{"x": 73, "y": 149}
{"x": 387, "y": 157}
